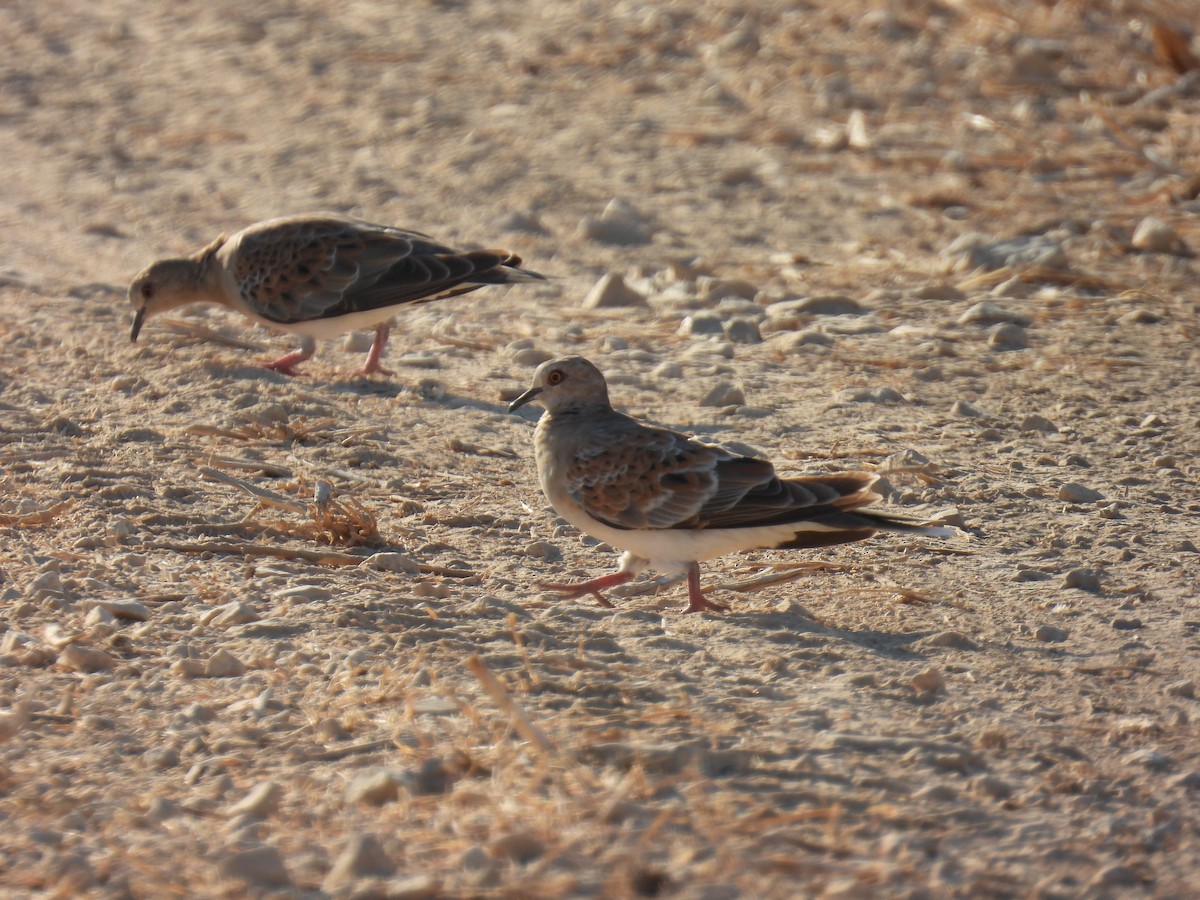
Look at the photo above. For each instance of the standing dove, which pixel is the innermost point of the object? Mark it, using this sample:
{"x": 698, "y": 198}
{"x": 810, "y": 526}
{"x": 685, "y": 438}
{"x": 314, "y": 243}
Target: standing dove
{"x": 319, "y": 276}
{"x": 669, "y": 501}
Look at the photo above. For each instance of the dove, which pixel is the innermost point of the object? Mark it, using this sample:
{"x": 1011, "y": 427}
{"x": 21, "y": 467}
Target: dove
{"x": 319, "y": 276}
{"x": 670, "y": 501}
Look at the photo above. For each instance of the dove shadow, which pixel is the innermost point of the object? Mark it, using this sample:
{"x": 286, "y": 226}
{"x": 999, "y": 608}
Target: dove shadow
{"x": 779, "y": 625}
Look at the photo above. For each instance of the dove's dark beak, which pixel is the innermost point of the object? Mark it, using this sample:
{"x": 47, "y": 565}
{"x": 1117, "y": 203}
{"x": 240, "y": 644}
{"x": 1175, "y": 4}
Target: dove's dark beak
{"x": 524, "y": 398}
{"x": 139, "y": 318}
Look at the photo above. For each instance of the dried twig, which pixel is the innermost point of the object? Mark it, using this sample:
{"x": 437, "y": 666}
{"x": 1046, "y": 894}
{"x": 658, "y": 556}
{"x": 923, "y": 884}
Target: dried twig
{"x": 782, "y": 575}
{"x": 250, "y": 465}
{"x": 335, "y": 753}
{"x": 34, "y": 519}
{"x": 475, "y": 450}
{"x": 196, "y": 330}
{"x": 265, "y": 497}
{"x": 322, "y": 557}
{"x": 503, "y": 699}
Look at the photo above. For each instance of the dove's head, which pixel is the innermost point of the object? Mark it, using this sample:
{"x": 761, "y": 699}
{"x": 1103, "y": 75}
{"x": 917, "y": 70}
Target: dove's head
{"x": 570, "y": 382}
{"x": 167, "y": 284}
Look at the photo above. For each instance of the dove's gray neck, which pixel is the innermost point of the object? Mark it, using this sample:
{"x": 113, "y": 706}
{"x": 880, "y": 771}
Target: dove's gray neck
{"x": 598, "y": 406}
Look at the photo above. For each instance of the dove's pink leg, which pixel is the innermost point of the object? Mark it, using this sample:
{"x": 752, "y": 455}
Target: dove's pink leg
{"x": 372, "y": 366}
{"x": 593, "y": 587}
{"x": 286, "y": 365}
{"x": 697, "y": 602}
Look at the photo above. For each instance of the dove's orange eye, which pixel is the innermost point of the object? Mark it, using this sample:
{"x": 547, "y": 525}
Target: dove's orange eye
{"x": 555, "y": 377}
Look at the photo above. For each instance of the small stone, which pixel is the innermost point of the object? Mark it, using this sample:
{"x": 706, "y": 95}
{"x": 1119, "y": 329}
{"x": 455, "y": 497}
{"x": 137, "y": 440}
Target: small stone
{"x": 392, "y": 562}
{"x": 189, "y": 668}
{"x": 870, "y": 395}
{"x": 140, "y": 435}
{"x": 524, "y": 222}
{"x": 129, "y": 610}
{"x": 1185, "y": 688}
{"x": 992, "y": 786}
{"x": 233, "y": 613}
{"x": 938, "y": 292}
{"x": 224, "y": 664}
{"x": 821, "y": 305}
{"x": 200, "y": 713}
{"x": 161, "y": 758}
{"x": 1007, "y": 337}
{"x": 717, "y": 289}
{"x": 1038, "y": 423}
{"x": 257, "y": 865}
{"x": 930, "y": 680}
{"x": 1121, "y": 624}
{"x": 861, "y": 679}
{"x": 520, "y": 847}
{"x": 331, "y": 730}
{"x": 1039, "y": 58}
{"x": 98, "y": 615}
{"x": 1189, "y": 781}
{"x": 1139, "y": 317}
{"x": 1050, "y": 634}
{"x": 938, "y": 792}
{"x": 667, "y": 370}
{"x": 620, "y": 224}
{"x": 72, "y": 875}
{"x": 413, "y": 887}
{"x": 358, "y": 341}
{"x": 743, "y": 331}
{"x": 724, "y": 393}
{"x": 1151, "y": 421}
{"x": 260, "y": 803}
{"x": 1083, "y": 579}
{"x": 432, "y": 776}
{"x": 1110, "y": 511}
{"x": 161, "y": 809}
{"x": 1156, "y": 236}
{"x": 1073, "y": 492}
{"x": 543, "y": 550}
{"x": 304, "y": 593}
{"x": 531, "y": 356}
{"x": 611, "y": 292}
{"x": 954, "y": 640}
{"x": 1116, "y": 875}
{"x": 610, "y": 343}
{"x": 429, "y": 589}
{"x": 986, "y": 313}
{"x": 974, "y": 251}
{"x": 966, "y": 409}
{"x": 362, "y": 857}
{"x": 1149, "y": 758}
{"x": 47, "y": 584}
{"x": 85, "y": 659}
{"x": 810, "y": 337}
{"x": 374, "y": 787}
{"x": 701, "y": 324}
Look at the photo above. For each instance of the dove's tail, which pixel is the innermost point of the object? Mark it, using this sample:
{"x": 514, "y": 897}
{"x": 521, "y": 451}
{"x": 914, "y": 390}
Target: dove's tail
{"x": 506, "y": 270}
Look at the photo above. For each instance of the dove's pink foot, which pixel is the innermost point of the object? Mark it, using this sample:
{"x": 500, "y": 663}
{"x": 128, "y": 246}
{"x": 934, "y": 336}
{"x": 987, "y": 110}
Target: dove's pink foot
{"x": 697, "y": 602}
{"x": 286, "y": 365}
{"x": 372, "y": 366}
{"x": 593, "y": 587}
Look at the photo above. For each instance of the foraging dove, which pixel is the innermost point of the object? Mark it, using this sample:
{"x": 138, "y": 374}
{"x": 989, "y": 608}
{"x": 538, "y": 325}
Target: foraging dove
{"x": 320, "y": 276}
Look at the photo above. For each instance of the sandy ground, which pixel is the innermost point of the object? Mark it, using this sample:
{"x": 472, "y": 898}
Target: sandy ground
{"x": 213, "y": 694}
